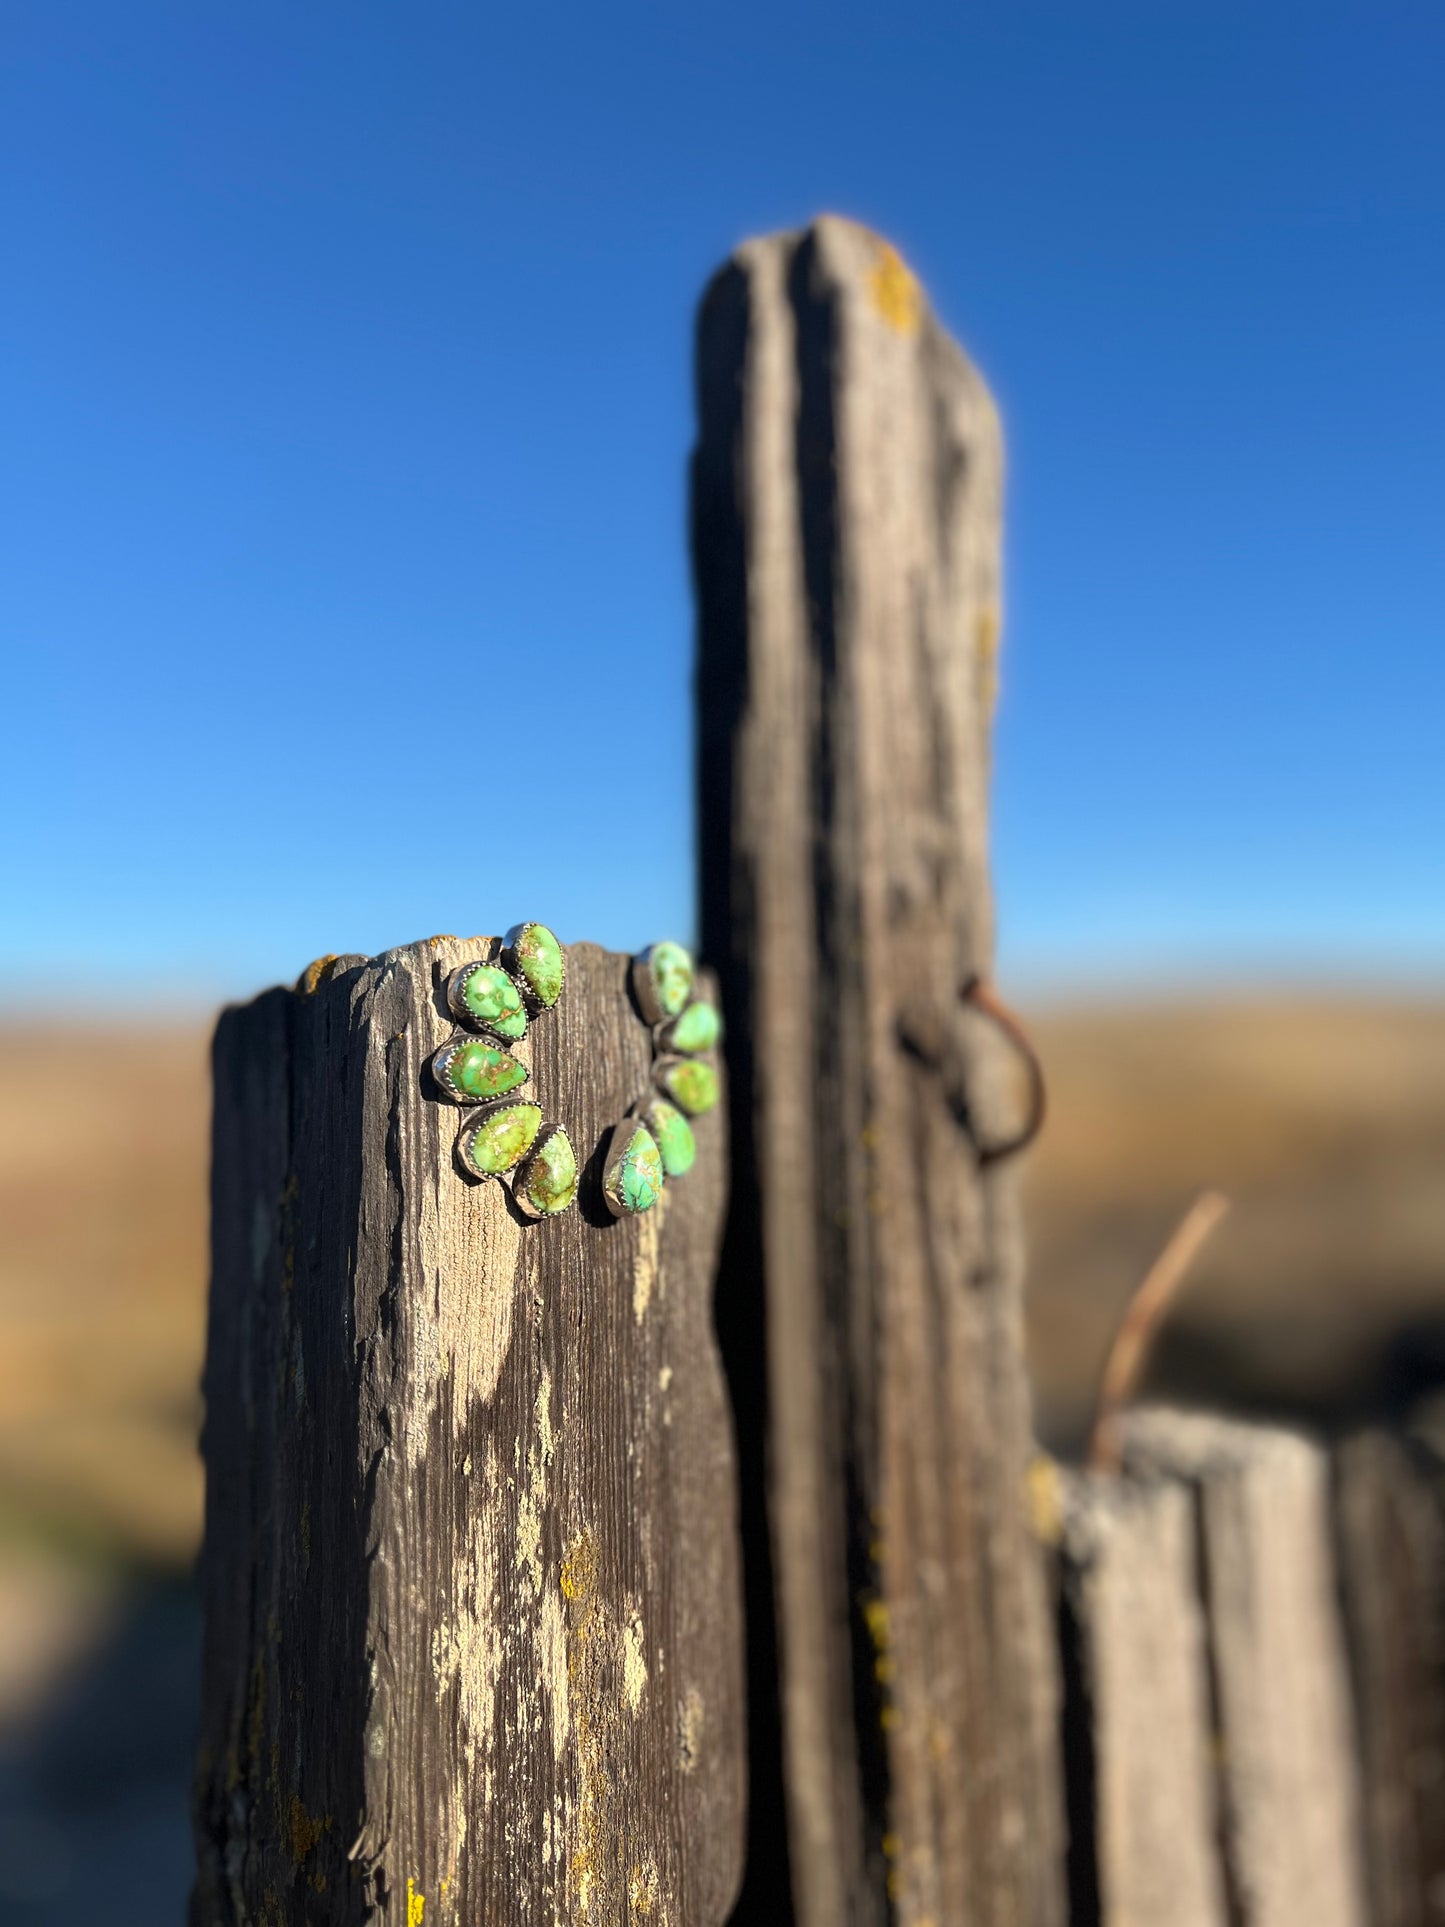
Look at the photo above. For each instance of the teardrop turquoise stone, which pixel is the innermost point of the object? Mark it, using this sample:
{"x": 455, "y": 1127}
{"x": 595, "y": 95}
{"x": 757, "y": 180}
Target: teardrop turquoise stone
{"x": 477, "y": 1070}
{"x": 501, "y": 1140}
{"x": 675, "y": 1142}
{"x": 493, "y": 999}
{"x": 634, "y": 1179}
{"x": 691, "y": 1085}
{"x": 548, "y": 1180}
{"x": 697, "y": 1029}
{"x": 537, "y": 955}
{"x": 671, "y": 968}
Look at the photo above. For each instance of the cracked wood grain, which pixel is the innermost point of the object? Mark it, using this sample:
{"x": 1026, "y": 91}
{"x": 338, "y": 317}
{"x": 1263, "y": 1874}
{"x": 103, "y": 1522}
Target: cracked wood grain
{"x": 846, "y": 504}
{"x": 473, "y": 1634}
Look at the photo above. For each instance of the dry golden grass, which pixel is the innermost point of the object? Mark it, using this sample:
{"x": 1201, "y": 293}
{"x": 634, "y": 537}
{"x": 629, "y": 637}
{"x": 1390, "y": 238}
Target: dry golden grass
{"x": 1325, "y": 1123}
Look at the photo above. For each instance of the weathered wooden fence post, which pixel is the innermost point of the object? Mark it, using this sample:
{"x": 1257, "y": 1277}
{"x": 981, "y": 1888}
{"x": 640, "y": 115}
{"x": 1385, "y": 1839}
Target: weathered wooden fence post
{"x": 473, "y": 1647}
{"x": 846, "y": 499}
{"x": 1139, "y": 1725}
{"x": 1269, "y": 1587}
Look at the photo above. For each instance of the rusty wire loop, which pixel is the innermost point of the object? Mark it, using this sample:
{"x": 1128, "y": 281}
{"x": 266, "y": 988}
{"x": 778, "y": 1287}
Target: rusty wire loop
{"x": 979, "y": 993}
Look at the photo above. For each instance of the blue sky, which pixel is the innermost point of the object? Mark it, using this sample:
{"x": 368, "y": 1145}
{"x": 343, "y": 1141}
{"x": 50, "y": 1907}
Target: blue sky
{"x": 344, "y": 379}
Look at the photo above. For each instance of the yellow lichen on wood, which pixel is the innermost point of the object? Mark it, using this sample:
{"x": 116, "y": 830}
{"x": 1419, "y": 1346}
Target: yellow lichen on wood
{"x": 895, "y": 292}
{"x": 880, "y": 1631}
{"x": 315, "y": 974}
{"x": 1044, "y": 1495}
{"x": 578, "y": 1575}
{"x": 415, "y": 1904}
{"x": 600, "y": 1646}
{"x": 577, "y": 1581}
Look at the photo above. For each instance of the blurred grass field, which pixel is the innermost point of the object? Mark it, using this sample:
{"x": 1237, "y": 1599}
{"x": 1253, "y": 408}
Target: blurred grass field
{"x": 1322, "y": 1295}
{"x": 1323, "y": 1121}
{"x": 102, "y": 1281}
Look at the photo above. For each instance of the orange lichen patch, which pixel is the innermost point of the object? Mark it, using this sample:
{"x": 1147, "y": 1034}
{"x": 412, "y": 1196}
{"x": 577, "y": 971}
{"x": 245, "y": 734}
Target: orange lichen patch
{"x": 895, "y": 292}
{"x": 435, "y": 941}
{"x": 315, "y": 974}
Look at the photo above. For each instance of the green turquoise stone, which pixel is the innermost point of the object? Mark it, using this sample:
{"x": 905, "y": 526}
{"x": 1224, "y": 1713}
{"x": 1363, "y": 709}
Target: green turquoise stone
{"x": 476, "y": 1070}
{"x": 675, "y": 1142}
{"x": 662, "y": 979}
{"x": 634, "y": 1176}
{"x": 547, "y": 1182}
{"x": 491, "y": 998}
{"x": 672, "y": 976}
{"x": 502, "y": 1139}
{"x": 697, "y": 1029}
{"x": 691, "y": 1085}
{"x": 537, "y": 957}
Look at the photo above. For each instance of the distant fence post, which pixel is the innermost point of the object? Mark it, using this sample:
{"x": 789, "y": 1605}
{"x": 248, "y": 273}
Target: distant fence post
{"x": 1139, "y": 1724}
{"x": 1289, "y": 1784}
{"x": 1390, "y": 1492}
{"x": 473, "y": 1637}
{"x": 846, "y": 501}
